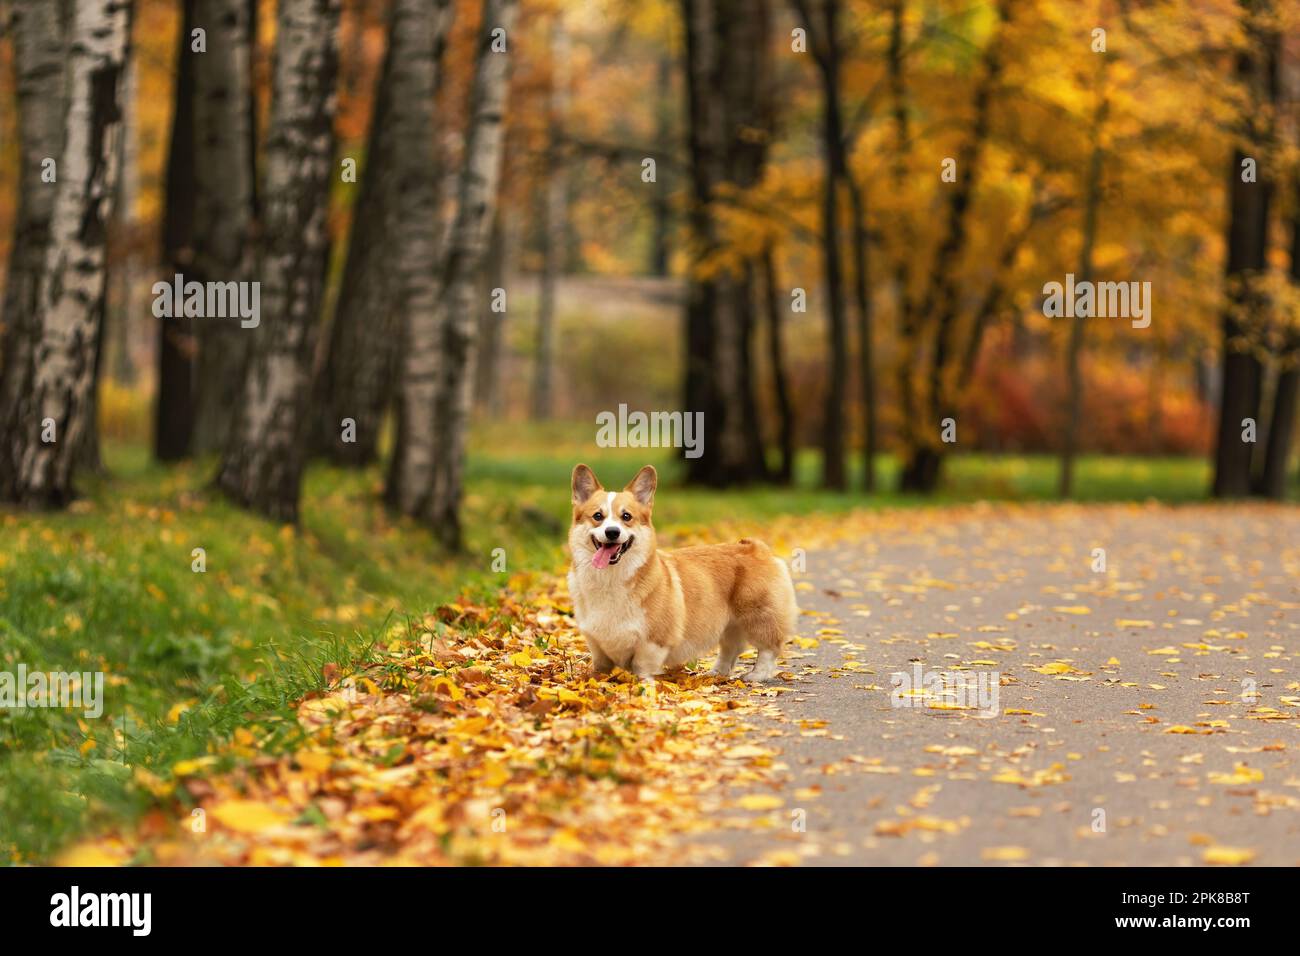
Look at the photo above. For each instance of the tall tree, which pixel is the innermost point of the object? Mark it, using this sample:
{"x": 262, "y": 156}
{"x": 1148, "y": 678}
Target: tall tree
{"x": 426, "y": 473}
{"x": 749, "y": 109}
{"x": 554, "y": 225}
{"x": 38, "y": 37}
{"x": 701, "y": 296}
{"x": 821, "y": 19}
{"x": 261, "y": 467}
{"x": 177, "y": 345}
{"x": 222, "y": 246}
{"x": 127, "y": 301}
{"x": 356, "y": 381}
{"x": 866, "y": 333}
{"x": 1248, "y": 224}
{"x": 45, "y": 423}
{"x": 775, "y": 308}
{"x": 729, "y": 110}
{"x": 925, "y": 376}
{"x": 1074, "y": 348}
{"x": 1272, "y": 479}
{"x": 661, "y": 204}
{"x": 492, "y": 330}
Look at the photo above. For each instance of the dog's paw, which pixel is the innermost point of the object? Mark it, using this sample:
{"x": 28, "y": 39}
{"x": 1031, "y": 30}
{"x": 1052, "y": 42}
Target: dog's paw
{"x": 759, "y": 674}
{"x": 764, "y": 668}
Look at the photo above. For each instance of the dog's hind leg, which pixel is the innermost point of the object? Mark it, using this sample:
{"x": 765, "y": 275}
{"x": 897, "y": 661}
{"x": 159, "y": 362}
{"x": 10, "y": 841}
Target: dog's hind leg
{"x": 767, "y": 634}
{"x": 733, "y": 642}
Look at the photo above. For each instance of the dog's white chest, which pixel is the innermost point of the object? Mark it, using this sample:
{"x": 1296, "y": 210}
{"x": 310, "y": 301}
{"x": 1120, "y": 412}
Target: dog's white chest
{"x": 606, "y": 615}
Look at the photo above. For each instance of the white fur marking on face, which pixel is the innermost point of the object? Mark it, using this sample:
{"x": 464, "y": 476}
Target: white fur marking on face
{"x": 610, "y": 520}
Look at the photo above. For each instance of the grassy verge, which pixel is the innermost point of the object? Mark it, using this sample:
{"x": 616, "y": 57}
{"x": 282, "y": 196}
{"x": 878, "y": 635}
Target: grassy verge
{"x": 190, "y": 657}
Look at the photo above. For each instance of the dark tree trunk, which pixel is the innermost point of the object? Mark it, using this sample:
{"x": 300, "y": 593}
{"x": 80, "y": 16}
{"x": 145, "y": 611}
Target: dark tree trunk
{"x": 921, "y": 470}
{"x": 925, "y": 412}
{"x": 177, "y": 345}
{"x": 1247, "y": 260}
{"x": 65, "y": 329}
{"x": 1286, "y": 394}
{"x": 776, "y": 357}
{"x": 223, "y": 207}
{"x": 661, "y": 206}
{"x": 554, "y": 227}
{"x": 749, "y": 108}
{"x": 729, "y": 106}
{"x": 823, "y": 32}
{"x": 1074, "y": 348}
{"x": 357, "y": 380}
{"x": 755, "y": 458}
{"x": 1281, "y": 430}
{"x": 908, "y": 333}
{"x": 262, "y": 465}
{"x": 699, "y": 393}
{"x": 866, "y": 350}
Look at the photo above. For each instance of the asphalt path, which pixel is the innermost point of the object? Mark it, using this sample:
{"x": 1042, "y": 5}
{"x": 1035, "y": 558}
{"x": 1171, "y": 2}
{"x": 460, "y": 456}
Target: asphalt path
{"x": 1146, "y": 714}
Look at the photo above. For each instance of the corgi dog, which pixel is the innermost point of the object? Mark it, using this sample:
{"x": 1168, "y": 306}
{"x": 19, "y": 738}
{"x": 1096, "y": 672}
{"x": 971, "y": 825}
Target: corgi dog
{"x": 647, "y": 610}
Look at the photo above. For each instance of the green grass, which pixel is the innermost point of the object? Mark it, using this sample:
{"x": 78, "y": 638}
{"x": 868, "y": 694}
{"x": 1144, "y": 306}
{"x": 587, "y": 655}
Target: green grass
{"x": 191, "y": 657}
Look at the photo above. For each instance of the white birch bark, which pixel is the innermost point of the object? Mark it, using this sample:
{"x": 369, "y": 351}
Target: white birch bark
{"x": 69, "y": 299}
{"x": 437, "y": 380}
{"x": 38, "y": 43}
{"x": 263, "y": 462}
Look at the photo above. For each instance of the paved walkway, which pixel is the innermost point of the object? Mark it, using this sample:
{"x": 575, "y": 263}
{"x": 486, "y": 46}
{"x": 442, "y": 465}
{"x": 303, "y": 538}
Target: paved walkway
{"x": 1147, "y": 714}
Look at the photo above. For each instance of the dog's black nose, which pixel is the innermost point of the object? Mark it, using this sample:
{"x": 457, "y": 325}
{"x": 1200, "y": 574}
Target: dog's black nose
{"x": 611, "y": 534}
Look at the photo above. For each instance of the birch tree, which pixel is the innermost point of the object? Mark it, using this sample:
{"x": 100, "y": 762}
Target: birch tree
{"x": 492, "y": 319}
{"x": 51, "y": 390}
{"x": 38, "y": 39}
{"x": 426, "y": 474}
{"x": 401, "y": 160}
{"x": 263, "y": 461}
{"x": 223, "y": 203}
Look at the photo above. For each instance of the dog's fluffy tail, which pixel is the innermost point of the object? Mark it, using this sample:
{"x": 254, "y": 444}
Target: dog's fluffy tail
{"x": 792, "y": 624}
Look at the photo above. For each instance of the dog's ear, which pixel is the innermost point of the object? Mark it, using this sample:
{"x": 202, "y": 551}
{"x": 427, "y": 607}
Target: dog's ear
{"x": 643, "y": 485}
{"x": 585, "y": 483}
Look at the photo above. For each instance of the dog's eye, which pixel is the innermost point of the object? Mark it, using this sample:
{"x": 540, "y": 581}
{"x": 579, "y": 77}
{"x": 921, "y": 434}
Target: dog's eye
{"x": 598, "y": 517}
{"x": 626, "y": 516}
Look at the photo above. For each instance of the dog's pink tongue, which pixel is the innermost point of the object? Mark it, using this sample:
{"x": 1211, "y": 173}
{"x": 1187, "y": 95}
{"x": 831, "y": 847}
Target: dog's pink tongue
{"x": 603, "y": 555}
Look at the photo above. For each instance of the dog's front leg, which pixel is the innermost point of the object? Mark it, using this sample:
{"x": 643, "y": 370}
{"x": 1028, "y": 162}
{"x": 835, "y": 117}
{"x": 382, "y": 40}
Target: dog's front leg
{"x": 600, "y": 661}
{"x": 648, "y": 660}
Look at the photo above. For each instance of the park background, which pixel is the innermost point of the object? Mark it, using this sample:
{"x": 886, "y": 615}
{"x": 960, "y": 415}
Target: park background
{"x": 825, "y": 225}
